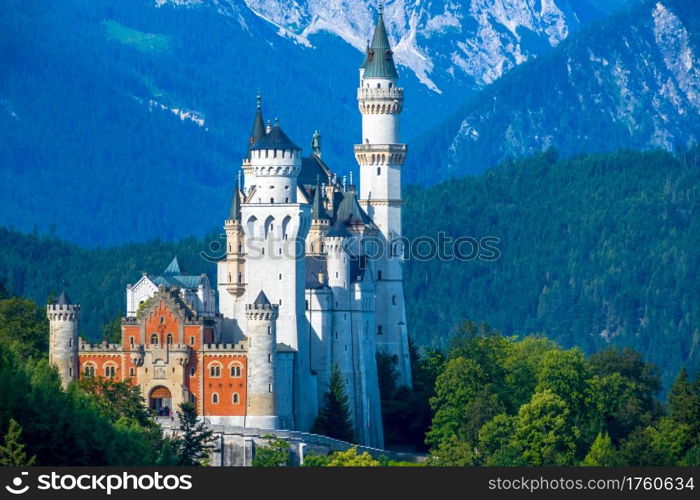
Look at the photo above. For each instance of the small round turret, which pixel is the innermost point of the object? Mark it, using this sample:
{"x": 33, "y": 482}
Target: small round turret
{"x": 262, "y": 349}
{"x": 63, "y": 337}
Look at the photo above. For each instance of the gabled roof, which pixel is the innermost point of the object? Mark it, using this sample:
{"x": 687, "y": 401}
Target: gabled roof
{"x": 312, "y": 169}
{"x": 379, "y": 59}
{"x": 349, "y": 210}
{"x": 175, "y": 275}
{"x": 274, "y": 139}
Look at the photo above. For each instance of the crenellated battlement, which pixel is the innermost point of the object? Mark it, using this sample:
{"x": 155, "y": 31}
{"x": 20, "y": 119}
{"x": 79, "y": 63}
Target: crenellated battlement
{"x": 239, "y": 347}
{"x": 369, "y": 93}
{"x": 381, "y": 154}
{"x": 100, "y": 348}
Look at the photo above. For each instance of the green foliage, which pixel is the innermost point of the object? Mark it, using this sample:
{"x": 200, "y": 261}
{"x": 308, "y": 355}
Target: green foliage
{"x": 333, "y": 419}
{"x": 117, "y": 399}
{"x": 12, "y": 452}
{"x": 501, "y": 401}
{"x": 576, "y": 263}
{"x": 112, "y": 331}
{"x": 350, "y": 458}
{"x": 273, "y": 454}
{"x": 24, "y": 327}
{"x": 194, "y": 442}
{"x": 602, "y": 453}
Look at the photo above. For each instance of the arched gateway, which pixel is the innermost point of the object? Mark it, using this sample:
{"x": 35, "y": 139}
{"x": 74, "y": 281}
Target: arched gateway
{"x": 161, "y": 401}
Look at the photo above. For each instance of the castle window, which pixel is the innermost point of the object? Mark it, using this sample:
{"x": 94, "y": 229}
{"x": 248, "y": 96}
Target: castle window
{"x": 110, "y": 371}
{"x": 192, "y": 398}
{"x": 89, "y": 370}
{"x": 215, "y": 398}
{"x": 269, "y": 358}
{"x": 235, "y": 369}
{"x": 391, "y": 84}
{"x": 306, "y": 303}
{"x": 240, "y": 248}
{"x": 236, "y": 398}
{"x": 70, "y": 372}
{"x": 269, "y": 330}
{"x": 286, "y": 187}
{"x": 191, "y": 340}
{"x": 240, "y": 277}
{"x": 272, "y": 200}
{"x": 215, "y": 370}
{"x": 379, "y": 85}
{"x": 131, "y": 341}
{"x": 162, "y": 319}
{"x": 393, "y": 299}
{"x": 379, "y": 170}
{"x": 280, "y": 301}
{"x": 280, "y": 276}
{"x": 379, "y": 275}
{"x": 70, "y": 342}
{"x": 269, "y": 387}
{"x": 132, "y": 372}
{"x": 154, "y": 339}
{"x": 379, "y": 329}
{"x": 169, "y": 339}
{"x": 286, "y": 200}
{"x": 193, "y": 371}
{"x": 280, "y": 251}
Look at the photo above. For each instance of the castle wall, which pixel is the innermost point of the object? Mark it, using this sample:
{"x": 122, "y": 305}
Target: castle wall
{"x": 225, "y": 385}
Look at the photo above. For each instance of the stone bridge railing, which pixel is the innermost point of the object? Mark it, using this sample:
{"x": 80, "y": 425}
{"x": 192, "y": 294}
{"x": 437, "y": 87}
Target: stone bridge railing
{"x": 235, "y": 446}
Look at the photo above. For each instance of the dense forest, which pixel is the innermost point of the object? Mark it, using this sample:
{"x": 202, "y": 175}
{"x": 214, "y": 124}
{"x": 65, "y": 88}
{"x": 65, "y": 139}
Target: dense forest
{"x": 594, "y": 250}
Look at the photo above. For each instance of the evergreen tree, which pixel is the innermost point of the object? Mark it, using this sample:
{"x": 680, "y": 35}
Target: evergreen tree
{"x": 683, "y": 401}
{"x": 12, "y": 452}
{"x": 334, "y": 418}
{"x": 602, "y": 453}
{"x": 193, "y": 445}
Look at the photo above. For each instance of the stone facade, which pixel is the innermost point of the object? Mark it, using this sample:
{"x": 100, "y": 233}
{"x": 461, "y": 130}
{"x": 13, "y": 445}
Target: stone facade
{"x": 299, "y": 289}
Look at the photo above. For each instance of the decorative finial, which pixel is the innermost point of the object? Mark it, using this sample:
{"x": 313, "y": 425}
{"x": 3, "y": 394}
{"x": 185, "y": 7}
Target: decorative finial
{"x": 238, "y": 181}
{"x": 277, "y": 121}
{"x": 351, "y": 178}
{"x": 380, "y": 7}
{"x": 345, "y": 183}
{"x": 259, "y": 99}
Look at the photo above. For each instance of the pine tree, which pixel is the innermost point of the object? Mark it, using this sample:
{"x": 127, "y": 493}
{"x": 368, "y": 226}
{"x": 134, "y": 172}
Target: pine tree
{"x": 602, "y": 453}
{"x": 192, "y": 447}
{"x": 12, "y": 453}
{"x": 334, "y": 418}
{"x": 684, "y": 405}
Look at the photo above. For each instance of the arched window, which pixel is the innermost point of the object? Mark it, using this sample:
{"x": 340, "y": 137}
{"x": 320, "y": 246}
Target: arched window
{"x": 154, "y": 338}
{"x": 393, "y": 300}
{"x": 379, "y": 329}
{"x": 379, "y": 170}
{"x": 215, "y": 370}
{"x": 131, "y": 341}
{"x": 110, "y": 370}
{"x": 236, "y": 398}
{"x": 379, "y": 85}
{"x": 379, "y": 275}
{"x": 391, "y": 84}
{"x": 169, "y": 339}
{"x": 215, "y": 398}
{"x": 235, "y": 370}
{"x": 89, "y": 370}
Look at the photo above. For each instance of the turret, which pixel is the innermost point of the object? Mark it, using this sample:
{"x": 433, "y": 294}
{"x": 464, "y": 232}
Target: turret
{"x": 320, "y": 221}
{"x": 63, "y": 337}
{"x": 234, "y": 275}
{"x": 262, "y": 349}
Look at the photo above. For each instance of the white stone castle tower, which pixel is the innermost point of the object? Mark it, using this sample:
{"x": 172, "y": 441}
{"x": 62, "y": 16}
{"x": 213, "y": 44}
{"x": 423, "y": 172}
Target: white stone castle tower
{"x": 63, "y": 337}
{"x": 381, "y": 157}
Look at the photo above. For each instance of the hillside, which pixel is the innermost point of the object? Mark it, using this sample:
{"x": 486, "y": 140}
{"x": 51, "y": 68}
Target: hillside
{"x": 593, "y": 250}
{"x": 126, "y": 121}
{"x": 631, "y": 81}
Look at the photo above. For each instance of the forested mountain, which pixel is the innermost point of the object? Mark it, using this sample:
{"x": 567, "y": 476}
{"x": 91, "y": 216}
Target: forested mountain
{"x": 126, "y": 121}
{"x": 631, "y": 81}
{"x": 593, "y": 250}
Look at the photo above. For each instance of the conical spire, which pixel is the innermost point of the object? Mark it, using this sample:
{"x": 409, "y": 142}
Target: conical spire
{"x": 235, "y": 210}
{"x": 379, "y": 59}
{"x": 318, "y": 211}
{"x": 173, "y": 268}
{"x": 258, "y": 131}
{"x": 261, "y": 300}
{"x": 63, "y": 299}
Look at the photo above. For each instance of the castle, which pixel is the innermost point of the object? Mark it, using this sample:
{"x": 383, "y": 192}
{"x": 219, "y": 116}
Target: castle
{"x": 311, "y": 278}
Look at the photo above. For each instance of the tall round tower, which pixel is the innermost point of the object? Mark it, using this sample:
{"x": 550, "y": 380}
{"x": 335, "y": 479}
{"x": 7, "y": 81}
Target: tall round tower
{"x": 380, "y": 157}
{"x": 262, "y": 348}
{"x": 63, "y": 337}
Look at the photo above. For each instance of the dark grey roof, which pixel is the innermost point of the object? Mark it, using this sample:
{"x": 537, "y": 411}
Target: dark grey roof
{"x": 379, "y": 59}
{"x": 349, "y": 210}
{"x": 318, "y": 211}
{"x": 258, "y": 131}
{"x": 338, "y": 229}
{"x": 313, "y": 169}
{"x": 261, "y": 300}
{"x": 314, "y": 266}
{"x": 175, "y": 275}
{"x": 275, "y": 139}
{"x": 235, "y": 210}
{"x": 63, "y": 299}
